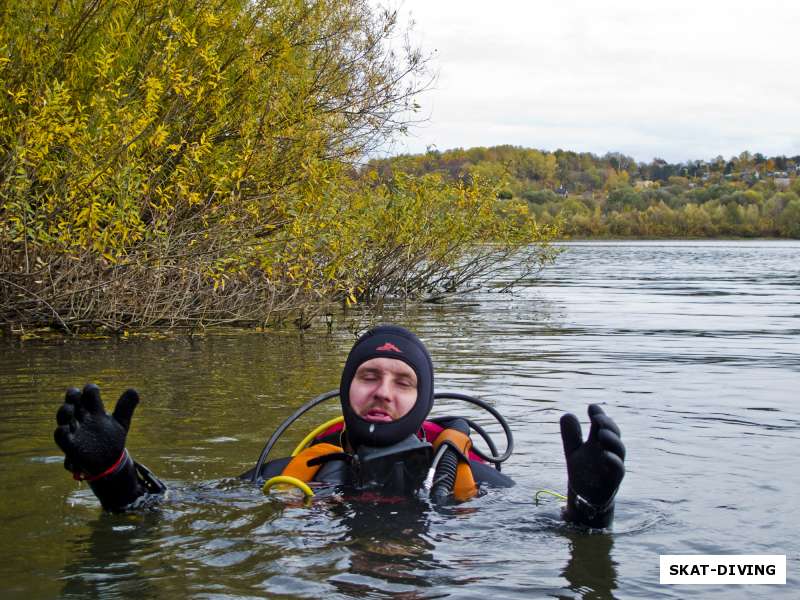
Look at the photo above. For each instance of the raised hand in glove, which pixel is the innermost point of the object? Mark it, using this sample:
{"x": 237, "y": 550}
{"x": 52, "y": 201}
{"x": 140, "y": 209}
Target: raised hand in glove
{"x": 595, "y": 468}
{"x": 94, "y": 444}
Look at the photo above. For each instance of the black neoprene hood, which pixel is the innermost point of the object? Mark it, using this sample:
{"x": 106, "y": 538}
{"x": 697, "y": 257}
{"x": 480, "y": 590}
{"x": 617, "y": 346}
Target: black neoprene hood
{"x": 387, "y": 341}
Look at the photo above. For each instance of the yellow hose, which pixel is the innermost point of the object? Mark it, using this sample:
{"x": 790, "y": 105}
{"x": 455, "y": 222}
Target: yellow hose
{"x": 286, "y": 479}
{"x": 317, "y": 430}
{"x": 549, "y": 493}
{"x": 301, "y": 485}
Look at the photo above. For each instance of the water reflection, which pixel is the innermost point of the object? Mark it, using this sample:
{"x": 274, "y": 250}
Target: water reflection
{"x": 388, "y": 548}
{"x": 100, "y": 564}
{"x": 381, "y": 549}
{"x": 691, "y": 347}
{"x": 590, "y": 571}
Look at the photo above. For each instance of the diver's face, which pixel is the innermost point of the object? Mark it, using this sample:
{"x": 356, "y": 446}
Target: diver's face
{"x": 383, "y": 390}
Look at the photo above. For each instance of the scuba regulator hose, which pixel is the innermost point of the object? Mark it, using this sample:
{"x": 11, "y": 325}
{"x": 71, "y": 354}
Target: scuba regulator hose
{"x": 445, "y": 462}
{"x": 285, "y": 425}
{"x": 495, "y": 459}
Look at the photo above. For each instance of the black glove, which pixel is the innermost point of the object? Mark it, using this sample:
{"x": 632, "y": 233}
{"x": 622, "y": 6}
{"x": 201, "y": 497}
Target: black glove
{"x": 94, "y": 444}
{"x": 595, "y": 468}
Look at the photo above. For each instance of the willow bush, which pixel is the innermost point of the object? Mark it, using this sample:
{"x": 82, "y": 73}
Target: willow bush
{"x": 425, "y": 238}
{"x": 190, "y": 163}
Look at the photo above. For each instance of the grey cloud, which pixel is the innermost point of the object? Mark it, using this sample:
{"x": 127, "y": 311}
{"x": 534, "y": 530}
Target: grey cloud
{"x": 684, "y": 80}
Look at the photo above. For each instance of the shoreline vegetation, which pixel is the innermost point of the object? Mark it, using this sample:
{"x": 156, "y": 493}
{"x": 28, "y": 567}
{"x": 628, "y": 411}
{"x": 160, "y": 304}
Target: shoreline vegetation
{"x": 173, "y": 165}
{"x": 615, "y": 197}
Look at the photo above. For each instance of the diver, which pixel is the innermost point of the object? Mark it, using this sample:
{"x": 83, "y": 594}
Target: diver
{"x": 386, "y": 444}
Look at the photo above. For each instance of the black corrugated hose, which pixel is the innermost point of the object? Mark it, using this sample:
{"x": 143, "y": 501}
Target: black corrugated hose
{"x": 444, "y": 477}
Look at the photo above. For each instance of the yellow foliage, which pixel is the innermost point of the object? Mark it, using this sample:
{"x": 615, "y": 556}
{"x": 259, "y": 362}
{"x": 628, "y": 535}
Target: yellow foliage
{"x": 177, "y": 143}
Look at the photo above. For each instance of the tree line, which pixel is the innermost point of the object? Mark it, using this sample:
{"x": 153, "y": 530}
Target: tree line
{"x": 749, "y": 195}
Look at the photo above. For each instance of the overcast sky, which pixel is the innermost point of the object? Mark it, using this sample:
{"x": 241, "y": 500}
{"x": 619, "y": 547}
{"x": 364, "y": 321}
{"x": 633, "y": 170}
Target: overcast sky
{"x": 678, "y": 80}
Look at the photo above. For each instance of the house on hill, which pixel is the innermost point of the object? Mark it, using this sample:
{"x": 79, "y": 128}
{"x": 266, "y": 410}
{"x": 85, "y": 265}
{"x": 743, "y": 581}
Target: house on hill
{"x": 782, "y": 183}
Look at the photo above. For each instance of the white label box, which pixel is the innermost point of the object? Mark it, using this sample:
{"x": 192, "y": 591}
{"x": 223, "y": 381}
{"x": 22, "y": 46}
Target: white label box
{"x": 722, "y": 568}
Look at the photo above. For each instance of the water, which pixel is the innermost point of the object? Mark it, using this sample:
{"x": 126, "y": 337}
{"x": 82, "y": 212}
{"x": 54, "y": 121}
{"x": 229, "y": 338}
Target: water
{"x": 692, "y": 347}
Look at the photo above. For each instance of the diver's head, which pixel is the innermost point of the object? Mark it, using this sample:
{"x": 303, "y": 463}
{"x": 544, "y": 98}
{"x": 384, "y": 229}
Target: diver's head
{"x": 387, "y": 387}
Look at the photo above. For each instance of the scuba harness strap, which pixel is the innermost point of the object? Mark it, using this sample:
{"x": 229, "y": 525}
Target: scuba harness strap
{"x": 453, "y": 472}
{"x": 304, "y": 467}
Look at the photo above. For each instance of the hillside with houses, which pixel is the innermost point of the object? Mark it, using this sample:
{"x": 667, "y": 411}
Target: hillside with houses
{"x": 749, "y": 195}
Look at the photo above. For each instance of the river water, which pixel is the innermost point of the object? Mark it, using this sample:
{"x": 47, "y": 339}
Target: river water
{"x": 692, "y": 347}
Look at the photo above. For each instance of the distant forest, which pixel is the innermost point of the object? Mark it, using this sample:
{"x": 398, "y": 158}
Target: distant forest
{"x": 750, "y": 195}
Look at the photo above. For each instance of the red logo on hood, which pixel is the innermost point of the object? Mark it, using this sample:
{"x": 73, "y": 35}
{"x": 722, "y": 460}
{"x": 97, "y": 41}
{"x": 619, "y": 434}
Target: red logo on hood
{"x": 388, "y": 347}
